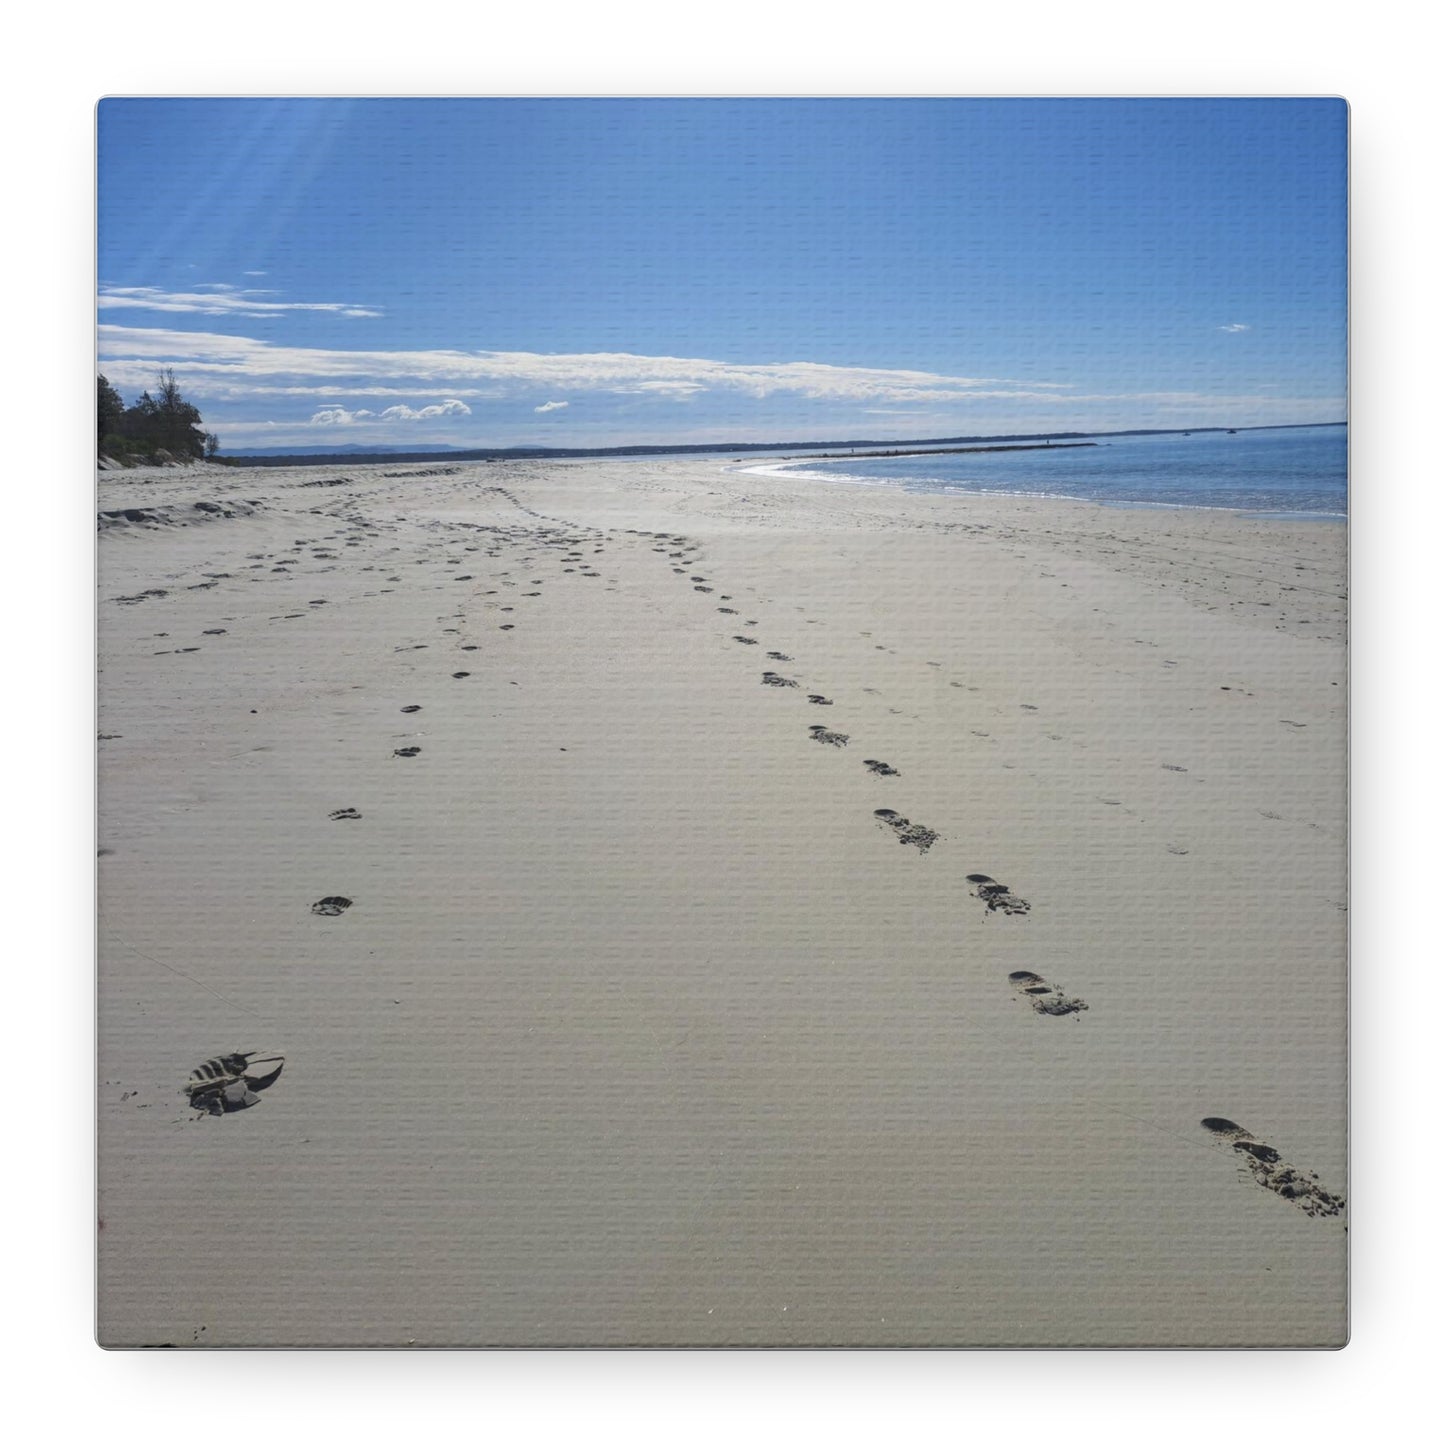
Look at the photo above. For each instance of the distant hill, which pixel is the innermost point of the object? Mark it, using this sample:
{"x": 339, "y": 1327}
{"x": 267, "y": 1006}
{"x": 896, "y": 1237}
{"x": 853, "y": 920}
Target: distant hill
{"x": 313, "y": 455}
{"x": 351, "y": 450}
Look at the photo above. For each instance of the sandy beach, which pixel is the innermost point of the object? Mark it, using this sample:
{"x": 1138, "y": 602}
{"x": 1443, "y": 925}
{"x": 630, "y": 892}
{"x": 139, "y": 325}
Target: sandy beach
{"x": 658, "y": 1005}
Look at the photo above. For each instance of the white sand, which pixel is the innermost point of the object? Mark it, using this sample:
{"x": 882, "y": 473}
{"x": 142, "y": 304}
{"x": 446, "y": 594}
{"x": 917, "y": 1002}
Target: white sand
{"x": 642, "y": 1028}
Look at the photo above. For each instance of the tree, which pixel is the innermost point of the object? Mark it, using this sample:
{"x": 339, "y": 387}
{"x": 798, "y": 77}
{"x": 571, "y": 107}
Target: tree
{"x": 109, "y": 410}
{"x": 213, "y": 444}
{"x": 177, "y": 422}
{"x": 166, "y": 422}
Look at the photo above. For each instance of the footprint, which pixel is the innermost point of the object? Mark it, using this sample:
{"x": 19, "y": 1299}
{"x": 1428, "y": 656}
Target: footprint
{"x": 1043, "y": 996}
{"x": 996, "y": 895}
{"x": 405, "y": 752}
{"x": 731, "y": 611}
{"x": 915, "y": 833}
{"x": 780, "y": 657}
{"x": 332, "y": 907}
{"x": 412, "y": 707}
{"x": 1272, "y": 1172}
{"x": 695, "y": 589}
{"x": 820, "y": 700}
{"x": 746, "y": 641}
{"x": 771, "y": 679}
{"x": 461, "y": 674}
{"x": 820, "y": 734}
{"x": 232, "y": 1081}
{"x": 343, "y": 813}
{"x": 881, "y": 769}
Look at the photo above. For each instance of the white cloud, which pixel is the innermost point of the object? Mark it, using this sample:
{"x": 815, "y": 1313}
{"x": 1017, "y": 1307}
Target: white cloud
{"x": 1235, "y": 326}
{"x": 250, "y": 376}
{"x": 339, "y": 416}
{"x": 452, "y": 407}
{"x": 550, "y": 406}
{"x": 242, "y": 358}
{"x": 216, "y": 298}
{"x": 679, "y": 389}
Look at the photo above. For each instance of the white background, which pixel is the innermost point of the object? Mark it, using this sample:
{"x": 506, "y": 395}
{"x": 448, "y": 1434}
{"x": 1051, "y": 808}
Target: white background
{"x": 1376, "y": 59}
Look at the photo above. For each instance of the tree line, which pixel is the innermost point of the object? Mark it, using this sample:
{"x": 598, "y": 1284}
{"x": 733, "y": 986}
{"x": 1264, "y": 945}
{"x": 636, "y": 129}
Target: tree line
{"x": 156, "y": 428}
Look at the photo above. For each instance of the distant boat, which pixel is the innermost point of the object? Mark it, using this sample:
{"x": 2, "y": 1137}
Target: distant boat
{"x": 1233, "y": 432}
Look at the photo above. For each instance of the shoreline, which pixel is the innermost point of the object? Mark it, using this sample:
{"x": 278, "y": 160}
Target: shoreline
{"x": 942, "y": 490}
{"x": 657, "y": 1017}
{"x": 938, "y": 452}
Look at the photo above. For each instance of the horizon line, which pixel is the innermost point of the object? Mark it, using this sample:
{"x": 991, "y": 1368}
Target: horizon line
{"x": 432, "y": 450}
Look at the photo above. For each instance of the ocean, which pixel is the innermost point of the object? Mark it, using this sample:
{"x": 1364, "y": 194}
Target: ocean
{"x": 1295, "y": 471}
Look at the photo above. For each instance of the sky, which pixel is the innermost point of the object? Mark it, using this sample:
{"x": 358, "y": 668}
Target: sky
{"x": 603, "y": 272}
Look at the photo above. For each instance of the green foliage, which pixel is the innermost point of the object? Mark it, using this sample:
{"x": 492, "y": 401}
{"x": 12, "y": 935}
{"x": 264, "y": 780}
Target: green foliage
{"x": 109, "y": 406}
{"x": 166, "y": 422}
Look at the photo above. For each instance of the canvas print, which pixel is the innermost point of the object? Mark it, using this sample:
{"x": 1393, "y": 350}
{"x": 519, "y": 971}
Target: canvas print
{"x": 721, "y": 722}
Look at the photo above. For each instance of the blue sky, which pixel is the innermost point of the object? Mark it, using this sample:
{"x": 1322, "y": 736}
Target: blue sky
{"x": 597, "y": 272}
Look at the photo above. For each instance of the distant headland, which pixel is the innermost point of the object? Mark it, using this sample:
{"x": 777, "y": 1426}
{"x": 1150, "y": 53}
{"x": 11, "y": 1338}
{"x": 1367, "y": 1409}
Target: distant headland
{"x": 1015, "y": 441}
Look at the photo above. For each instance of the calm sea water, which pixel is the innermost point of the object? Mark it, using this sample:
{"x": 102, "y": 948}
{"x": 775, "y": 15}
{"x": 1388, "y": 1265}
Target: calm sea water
{"x": 1299, "y": 471}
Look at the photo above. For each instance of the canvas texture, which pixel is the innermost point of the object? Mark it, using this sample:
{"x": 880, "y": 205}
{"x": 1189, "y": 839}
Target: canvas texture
{"x": 722, "y": 723}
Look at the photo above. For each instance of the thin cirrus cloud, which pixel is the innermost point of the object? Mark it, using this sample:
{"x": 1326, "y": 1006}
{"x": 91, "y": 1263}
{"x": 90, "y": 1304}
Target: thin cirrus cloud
{"x": 339, "y": 416}
{"x": 218, "y": 299}
{"x": 132, "y": 353}
{"x": 1235, "y": 326}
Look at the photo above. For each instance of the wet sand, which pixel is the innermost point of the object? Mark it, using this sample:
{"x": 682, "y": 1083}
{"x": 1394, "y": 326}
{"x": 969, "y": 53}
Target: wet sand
{"x": 758, "y": 911}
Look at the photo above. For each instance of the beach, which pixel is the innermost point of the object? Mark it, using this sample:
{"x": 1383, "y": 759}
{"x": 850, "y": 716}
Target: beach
{"x": 766, "y": 912}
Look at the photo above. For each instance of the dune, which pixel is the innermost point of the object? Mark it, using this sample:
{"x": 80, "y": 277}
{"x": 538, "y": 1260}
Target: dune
{"x": 702, "y": 908}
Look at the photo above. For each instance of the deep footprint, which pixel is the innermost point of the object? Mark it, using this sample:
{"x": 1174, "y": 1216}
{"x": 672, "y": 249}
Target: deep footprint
{"x": 230, "y": 1082}
{"x": 881, "y": 769}
{"x": 915, "y": 833}
{"x": 1043, "y": 996}
{"x": 405, "y": 752}
{"x": 820, "y": 734}
{"x": 996, "y": 895}
{"x": 332, "y": 907}
{"x": 342, "y": 813}
{"x": 771, "y": 679}
{"x": 1270, "y": 1171}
